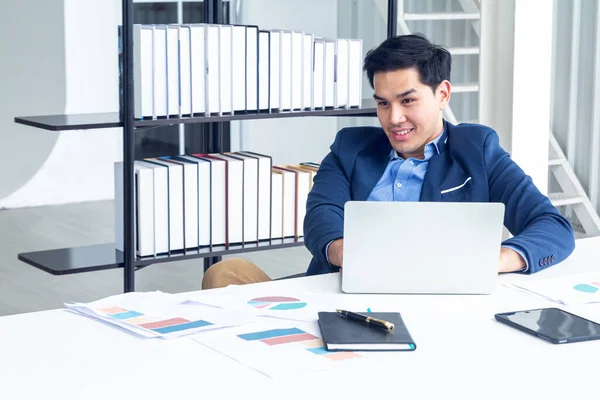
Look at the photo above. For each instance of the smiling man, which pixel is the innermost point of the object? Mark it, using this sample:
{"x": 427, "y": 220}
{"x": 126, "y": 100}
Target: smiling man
{"x": 417, "y": 156}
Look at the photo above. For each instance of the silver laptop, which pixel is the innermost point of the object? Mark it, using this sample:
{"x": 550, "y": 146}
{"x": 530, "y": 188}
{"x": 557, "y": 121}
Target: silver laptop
{"x": 421, "y": 247}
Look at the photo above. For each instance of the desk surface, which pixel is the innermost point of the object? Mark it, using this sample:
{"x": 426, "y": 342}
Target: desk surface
{"x": 462, "y": 352}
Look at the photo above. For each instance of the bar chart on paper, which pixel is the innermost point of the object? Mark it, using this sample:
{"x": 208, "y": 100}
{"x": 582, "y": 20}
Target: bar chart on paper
{"x": 157, "y": 325}
{"x": 157, "y": 314}
{"x": 279, "y": 349}
{"x": 311, "y": 343}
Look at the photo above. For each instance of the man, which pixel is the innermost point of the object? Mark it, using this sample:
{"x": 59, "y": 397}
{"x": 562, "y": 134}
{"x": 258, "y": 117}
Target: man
{"x": 417, "y": 156}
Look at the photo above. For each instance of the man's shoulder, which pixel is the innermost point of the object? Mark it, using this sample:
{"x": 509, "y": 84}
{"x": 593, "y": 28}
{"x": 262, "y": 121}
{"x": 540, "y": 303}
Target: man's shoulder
{"x": 468, "y": 132}
{"x": 360, "y": 136}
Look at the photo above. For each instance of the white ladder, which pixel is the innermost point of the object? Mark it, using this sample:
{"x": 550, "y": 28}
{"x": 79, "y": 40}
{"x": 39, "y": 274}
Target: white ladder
{"x": 571, "y": 199}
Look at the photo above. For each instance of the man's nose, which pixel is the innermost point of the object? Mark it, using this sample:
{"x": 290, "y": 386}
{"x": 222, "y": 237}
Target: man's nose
{"x": 397, "y": 116}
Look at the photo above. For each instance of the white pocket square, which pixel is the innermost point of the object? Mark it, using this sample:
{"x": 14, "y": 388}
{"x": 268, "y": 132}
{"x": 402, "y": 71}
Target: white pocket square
{"x": 455, "y": 187}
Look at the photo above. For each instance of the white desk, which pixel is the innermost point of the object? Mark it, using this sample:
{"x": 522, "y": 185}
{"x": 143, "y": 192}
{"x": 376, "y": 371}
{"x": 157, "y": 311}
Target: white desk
{"x": 462, "y": 353}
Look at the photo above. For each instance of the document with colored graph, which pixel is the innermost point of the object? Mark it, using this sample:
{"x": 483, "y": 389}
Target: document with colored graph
{"x": 279, "y": 349}
{"x": 569, "y": 290}
{"x": 262, "y": 301}
{"x": 158, "y": 314}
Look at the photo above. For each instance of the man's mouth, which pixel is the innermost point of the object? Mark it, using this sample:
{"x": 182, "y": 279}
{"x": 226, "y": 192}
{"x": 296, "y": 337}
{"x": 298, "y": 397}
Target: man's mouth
{"x": 402, "y": 134}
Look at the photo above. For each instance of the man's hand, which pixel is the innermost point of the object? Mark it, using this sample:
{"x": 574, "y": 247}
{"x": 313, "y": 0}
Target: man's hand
{"x": 335, "y": 252}
{"x": 510, "y": 260}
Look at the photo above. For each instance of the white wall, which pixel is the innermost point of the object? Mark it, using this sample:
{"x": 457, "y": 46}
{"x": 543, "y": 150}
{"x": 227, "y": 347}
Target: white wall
{"x": 532, "y": 87}
{"x": 515, "y": 80}
{"x": 75, "y": 165}
{"x": 32, "y": 82}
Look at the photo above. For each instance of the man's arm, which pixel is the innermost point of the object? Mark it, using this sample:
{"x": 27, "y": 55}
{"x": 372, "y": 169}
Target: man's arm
{"x": 540, "y": 232}
{"x": 324, "y": 220}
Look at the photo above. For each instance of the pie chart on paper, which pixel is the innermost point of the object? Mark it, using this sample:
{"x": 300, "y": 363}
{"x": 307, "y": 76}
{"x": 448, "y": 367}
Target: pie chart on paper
{"x": 591, "y": 288}
{"x": 277, "y": 303}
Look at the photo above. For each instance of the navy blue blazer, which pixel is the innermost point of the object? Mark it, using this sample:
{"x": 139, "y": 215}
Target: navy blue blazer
{"x": 359, "y": 156}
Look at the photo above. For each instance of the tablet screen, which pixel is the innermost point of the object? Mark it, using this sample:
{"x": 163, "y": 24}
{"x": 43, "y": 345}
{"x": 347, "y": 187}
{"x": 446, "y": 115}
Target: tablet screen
{"x": 555, "y": 323}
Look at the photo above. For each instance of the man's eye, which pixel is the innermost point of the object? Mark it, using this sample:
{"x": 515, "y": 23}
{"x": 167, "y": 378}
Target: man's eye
{"x": 407, "y": 101}
{"x": 382, "y": 103}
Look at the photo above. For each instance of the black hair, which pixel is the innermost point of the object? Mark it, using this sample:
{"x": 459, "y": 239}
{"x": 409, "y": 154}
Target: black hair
{"x": 410, "y": 51}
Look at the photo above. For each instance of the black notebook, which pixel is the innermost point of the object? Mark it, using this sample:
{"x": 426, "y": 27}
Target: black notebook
{"x": 341, "y": 333}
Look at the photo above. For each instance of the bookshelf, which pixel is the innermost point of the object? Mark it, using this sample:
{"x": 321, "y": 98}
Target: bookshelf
{"x": 105, "y": 256}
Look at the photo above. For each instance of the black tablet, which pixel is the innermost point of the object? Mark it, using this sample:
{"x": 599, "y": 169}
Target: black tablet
{"x": 552, "y": 324}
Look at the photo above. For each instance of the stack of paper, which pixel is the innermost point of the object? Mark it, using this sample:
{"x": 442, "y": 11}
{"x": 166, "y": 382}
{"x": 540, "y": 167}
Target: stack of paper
{"x": 157, "y": 314}
{"x": 570, "y": 290}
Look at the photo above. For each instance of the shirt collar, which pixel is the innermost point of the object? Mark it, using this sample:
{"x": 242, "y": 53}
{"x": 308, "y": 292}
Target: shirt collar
{"x": 436, "y": 146}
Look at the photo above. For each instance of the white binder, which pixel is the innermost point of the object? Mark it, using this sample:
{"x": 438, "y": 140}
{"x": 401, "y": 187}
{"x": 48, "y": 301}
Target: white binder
{"x": 225, "y": 65}
{"x": 161, "y": 206}
{"x": 354, "y": 73}
{"x": 341, "y": 73}
{"x": 204, "y": 198}
{"x": 143, "y": 197}
{"x": 234, "y": 197}
{"x": 329, "y": 94}
{"x": 213, "y": 69}
{"x": 238, "y": 67}
{"x": 252, "y": 68}
{"x": 274, "y": 70}
{"x": 285, "y": 71}
{"x": 263, "y": 70}
{"x": 198, "y": 56}
{"x": 172, "y": 70}
{"x": 176, "y": 211}
{"x": 160, "y": 71}
{"x": 297, "y": 74}
{"x": 185, "y": 70}
{"x": 142, "y": 70}
{"x": 318, "y": 92}
{"x": 307, "y": 71}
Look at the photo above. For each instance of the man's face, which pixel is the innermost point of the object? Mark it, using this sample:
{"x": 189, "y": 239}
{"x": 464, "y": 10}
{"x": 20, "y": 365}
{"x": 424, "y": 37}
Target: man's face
{"x": 409, "y": 111}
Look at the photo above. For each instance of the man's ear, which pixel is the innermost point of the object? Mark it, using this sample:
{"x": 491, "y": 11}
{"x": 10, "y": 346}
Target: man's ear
{"x": 443, "y": 92}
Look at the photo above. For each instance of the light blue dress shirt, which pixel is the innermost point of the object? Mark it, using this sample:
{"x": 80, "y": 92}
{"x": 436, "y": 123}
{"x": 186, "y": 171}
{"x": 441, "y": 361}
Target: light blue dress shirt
{"x": 402, "y": 179}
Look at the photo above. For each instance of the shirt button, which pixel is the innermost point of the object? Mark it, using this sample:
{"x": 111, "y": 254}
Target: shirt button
{"x": 399, "y": 185}
{"x": 412, "y": 162}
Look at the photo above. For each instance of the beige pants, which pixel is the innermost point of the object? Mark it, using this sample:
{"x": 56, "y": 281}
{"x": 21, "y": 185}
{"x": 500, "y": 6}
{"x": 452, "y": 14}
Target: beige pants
{"x": 233, "y": 271}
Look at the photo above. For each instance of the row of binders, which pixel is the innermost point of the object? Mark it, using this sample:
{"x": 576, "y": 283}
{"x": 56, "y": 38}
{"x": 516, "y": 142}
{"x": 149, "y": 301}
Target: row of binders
{"x": 191, "y": 201}
{"x": 208, "y": 69}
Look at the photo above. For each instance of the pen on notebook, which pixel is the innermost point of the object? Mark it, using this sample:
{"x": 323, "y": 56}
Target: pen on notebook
{"x": 379, "y": 323}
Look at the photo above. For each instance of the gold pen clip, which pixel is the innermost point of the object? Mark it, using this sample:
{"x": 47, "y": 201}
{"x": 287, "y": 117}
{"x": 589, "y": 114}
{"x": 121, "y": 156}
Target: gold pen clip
{"x": 387, "y": 324}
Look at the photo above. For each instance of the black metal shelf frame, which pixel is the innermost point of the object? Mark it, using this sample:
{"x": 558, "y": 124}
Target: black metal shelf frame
{"x": 105, "y": 256}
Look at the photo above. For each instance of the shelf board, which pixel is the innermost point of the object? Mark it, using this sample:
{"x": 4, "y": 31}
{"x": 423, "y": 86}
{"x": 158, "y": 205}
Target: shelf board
{"x": 72, "y": 121}
{"x": 76, "y": 259}
{"x": 112, "y": 120}
{"x": 100, "y": 257}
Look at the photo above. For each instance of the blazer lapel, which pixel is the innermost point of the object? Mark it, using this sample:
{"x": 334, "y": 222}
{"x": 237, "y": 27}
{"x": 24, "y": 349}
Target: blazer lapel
{"x": 443, "y": 173}
{"x": 370, "y": 165}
